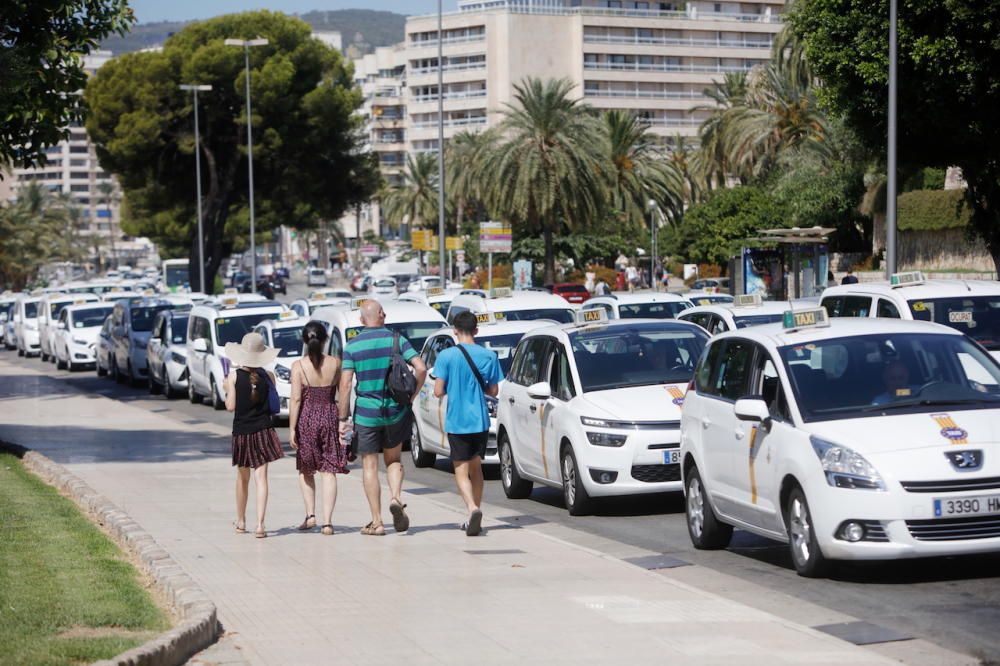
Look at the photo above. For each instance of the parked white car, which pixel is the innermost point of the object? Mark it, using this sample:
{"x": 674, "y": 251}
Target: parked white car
{"x": 285, "y": 335}
{"x": 75, "y": 341}
{"x": 49, "y": 310}
{"x": 639, "y": 306}
{"x": 26, "y": 326}
{"x": 166, "y": 353}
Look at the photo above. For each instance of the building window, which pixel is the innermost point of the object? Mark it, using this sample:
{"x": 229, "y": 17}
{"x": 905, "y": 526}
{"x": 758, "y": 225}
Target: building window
{"x": 79, "y": 188}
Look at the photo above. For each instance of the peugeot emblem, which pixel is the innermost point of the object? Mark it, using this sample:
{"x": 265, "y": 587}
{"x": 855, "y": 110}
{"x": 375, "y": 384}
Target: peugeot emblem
{"x": 965, "y": 461}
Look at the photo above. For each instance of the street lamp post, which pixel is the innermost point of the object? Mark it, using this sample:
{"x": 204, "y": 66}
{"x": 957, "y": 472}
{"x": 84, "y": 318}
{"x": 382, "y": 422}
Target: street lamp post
{"x": 441, "y": 237}
{"x": 890, "y": 186}
{"x": 246, "y": 44}
{"x": 194, "y": 89}
{"x": 654, "y": 220}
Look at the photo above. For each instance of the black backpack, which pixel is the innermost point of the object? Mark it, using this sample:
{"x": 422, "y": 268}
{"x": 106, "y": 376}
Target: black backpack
{"x": 400, "y": 382}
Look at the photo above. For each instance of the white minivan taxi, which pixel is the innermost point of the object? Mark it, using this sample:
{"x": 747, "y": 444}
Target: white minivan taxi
{"x": 210, "y": 327}
{"x": 852, "y": 439}
{"x": 508, "y": 305}
{"x": 747, "y": 310}
{"x": 49, "y": 309}
{"x": 639, "y": 306}
{"x": 76, "y": 331}
{"x": 26, "y": 326}
{"x": 594, "y": 408}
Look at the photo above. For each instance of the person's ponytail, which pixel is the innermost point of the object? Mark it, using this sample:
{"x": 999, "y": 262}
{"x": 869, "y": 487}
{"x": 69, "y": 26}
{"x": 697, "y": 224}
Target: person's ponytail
{"x": 314, "y": 336}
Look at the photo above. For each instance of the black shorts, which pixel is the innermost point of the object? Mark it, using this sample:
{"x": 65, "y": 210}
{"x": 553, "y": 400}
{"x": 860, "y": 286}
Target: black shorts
{"x": 380, "y": 438}
{"x": 466, "y": 446}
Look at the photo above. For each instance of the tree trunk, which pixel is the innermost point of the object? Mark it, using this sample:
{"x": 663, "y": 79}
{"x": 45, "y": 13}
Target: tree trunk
{"x": 983, "y": 195}
{"x": 550, "y": 256}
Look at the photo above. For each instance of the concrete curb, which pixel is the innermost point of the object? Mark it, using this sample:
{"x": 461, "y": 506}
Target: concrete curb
{"x": 199, "y": 626}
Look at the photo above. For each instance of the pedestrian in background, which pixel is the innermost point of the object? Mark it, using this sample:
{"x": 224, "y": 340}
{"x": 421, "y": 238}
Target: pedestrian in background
{"x": 467, "y": 373}
{"x": 380, "y": 423}
{"x": 850, "y": 278}
{"x": 601, "y": 288}
{"x": 312, "y": 419}
{"x": 255, "y": 443}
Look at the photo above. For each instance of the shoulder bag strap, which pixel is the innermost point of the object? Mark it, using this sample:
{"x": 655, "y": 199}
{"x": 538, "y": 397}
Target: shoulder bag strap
{"x": 475, "y": 370}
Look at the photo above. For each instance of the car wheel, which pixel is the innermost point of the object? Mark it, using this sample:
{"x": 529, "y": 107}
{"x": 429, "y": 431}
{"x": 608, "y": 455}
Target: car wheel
{"x": 193, "y": 396}
{"x": 155, "y": 388}
{"x": 43, "y": 356}
{"x": 514, "y": 487}
{"x": 168, "y": 390}
{"x": 20, "y": 352}
{"x": 116, "y": 374}
{"x": 59, "y": 364}
{"x": 101, "y": 371}
{"x": 71, "y": 366}
{"x": 807, "y": 557}
{"x": 217, "y": 404}
{"x": 578, "y": 502}
{"x": 420, "y": 457}
{"x": 705, "y": 530}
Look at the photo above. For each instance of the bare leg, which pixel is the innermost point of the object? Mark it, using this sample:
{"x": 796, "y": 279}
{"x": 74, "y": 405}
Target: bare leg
{"x": 373, "y": 490}
{"x": 476, "y": 478}
{"x": 242, "y": 489}
{"x": 260, "y": 481}
{"x": 394, "y": 470}
{"x": 307, "y": 484}
{"x": 329, "y": 496}
{"x": 465, "y": 486}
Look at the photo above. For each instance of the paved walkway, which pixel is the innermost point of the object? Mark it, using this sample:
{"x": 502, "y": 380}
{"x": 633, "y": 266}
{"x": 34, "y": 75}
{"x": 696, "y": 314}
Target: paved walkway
{"x": 430, "y": 596}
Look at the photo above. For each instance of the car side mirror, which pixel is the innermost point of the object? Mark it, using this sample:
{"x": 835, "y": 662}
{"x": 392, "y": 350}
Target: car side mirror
{"x": 540, "y": 391}
{"x": 753, "y": 409}
{"x": 200, "y": 345}
{"x": 61, "y": 325}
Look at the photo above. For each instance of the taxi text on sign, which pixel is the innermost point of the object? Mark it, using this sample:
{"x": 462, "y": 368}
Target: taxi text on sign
{"x": 494, "y": 237}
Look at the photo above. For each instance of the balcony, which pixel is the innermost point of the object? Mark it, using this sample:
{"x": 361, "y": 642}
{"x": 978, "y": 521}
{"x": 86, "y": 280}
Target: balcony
{"x": 451, "y": 67}
{"x": 645, "y": 94}
{"x": 676, "y": 41}
{"x": 451, "y": 122}
{"x": 460, "y": 39}
{"x": 517, "y": 7}
{"x": 456, "y": 94}
{"x": 665, "y": 67}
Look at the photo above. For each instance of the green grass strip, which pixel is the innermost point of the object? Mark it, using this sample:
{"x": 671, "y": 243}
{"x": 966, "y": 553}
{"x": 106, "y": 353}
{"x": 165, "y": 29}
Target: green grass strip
{"x": 67, "y": 593}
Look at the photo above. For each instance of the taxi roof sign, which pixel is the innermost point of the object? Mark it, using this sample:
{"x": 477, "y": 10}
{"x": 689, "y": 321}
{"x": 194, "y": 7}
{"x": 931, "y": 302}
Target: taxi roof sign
{"x": 487, "y": 318}
{"x": 796, "y": 320}
{"x": 435, "y": 291}
{"x": 907, "y": 279}
{"x": 594, "y": 316}
{"x": 748, "y": 301}
{"x": 230, "y": 290}
{"x": 229, "y": 301}
{"x": 356, "y": 303}
{"x": 501, "y": 292}
{"x": 288, "y": 314}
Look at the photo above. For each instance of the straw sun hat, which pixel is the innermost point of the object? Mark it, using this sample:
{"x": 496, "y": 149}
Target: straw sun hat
{"x": 251, "y": 352}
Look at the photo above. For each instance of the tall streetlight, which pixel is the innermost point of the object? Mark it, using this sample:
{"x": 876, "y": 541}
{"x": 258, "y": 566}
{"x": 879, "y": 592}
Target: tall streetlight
{"x": 246, "y": 44}
{"x": 890, "y": 186}
{"x": 654, "y": 221}
{"x": 195, "y": 88}
{"x": 441, "y": 238}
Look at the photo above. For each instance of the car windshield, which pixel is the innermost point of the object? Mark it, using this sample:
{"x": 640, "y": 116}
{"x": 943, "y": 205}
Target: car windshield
{"x": 385, "y": 283}
{"x": 636, "y": 355}
{"x": 573, "y": 287}
{"x": 976, "y": 316}
{"x": 503, "y": 346}
{"x": 178, "y": 329}
{"x": 746, "y": 321}
{"x": 55, "y": 309}
{"x": 288, "y": 341}
{"x": 560, "y": 315}
{"x": 31, "y": 310}
{"x": 871, "y": 375}
{"x": 441, "y": 306}
{"x": 234, "y": 327}
{"x": 416, "y": 332}
{"x": 142, "y": 318}
{"x": 652, "y": 310}
{"x": 90, "y": 317}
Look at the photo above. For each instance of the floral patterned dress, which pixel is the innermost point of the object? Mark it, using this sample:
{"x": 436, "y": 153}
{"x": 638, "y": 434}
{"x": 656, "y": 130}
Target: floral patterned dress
{"x": 317, "y": 432}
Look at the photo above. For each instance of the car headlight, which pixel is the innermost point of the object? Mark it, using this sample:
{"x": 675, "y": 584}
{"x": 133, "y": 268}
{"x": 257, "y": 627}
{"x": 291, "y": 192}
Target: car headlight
{"x": 491, "y": 406}
{"x": 78, "y": 341}
{"x": 177, "y": 358}
{"x": 606, "y": 439}
{"x": 846, "y": 468}
{"x": 283, "y": 373}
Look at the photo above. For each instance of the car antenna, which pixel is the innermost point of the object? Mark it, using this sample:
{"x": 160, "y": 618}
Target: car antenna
{"x": 967, "y": 287}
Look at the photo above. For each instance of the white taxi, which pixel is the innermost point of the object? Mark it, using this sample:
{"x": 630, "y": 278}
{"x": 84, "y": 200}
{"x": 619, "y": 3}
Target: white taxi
{"x": 508, "y": 305}
{"x": 429, "y": 438}
{"x": 210, "y": 327}
{"x": 330, "y": 293}
{"x": 747, "y": 310}
{"x": 383, "y": 287}
{"x": 49, "y": 309}
{"x": 166, "y": 353}
{"x": 969, "y": 306}
{"x": 304, "y": 307}
{"x": 639, "y": 306}
{"x": 285, "y": 335}
{"x": 436, "y": 297}
{"x": 594, "y": 408}
{"x": 846, "y": 438}
{"x": 8, "y": 304}
{"x": 26, "y": 326}
{"x": 75, "y": 340}
{"x": 706, "y": 298}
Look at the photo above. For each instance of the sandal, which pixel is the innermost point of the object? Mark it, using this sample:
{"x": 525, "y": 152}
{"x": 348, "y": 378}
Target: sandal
{"x": 400, "y": 521}
{"x": 240, "y": 530}
{"x": 260, "y": 533}
{"x": 474, "y": 526}
{"x": 371, "y": 529}
{"x": 327, "y": 530}
{"x": 308, "y": 524}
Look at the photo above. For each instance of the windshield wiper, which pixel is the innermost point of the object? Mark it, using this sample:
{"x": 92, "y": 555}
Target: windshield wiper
{"x": 928, "y": 403}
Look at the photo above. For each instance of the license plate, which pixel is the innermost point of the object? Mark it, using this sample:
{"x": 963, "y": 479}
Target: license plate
{"x": 671, "y": 457}
{"x": 983, "y": 505}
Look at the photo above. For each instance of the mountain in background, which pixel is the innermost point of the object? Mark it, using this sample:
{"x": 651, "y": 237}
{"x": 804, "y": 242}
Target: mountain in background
{"x": 361, "y": 29}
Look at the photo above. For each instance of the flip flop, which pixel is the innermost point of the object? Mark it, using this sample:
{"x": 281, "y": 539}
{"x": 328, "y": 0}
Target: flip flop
{"x": 474, "y": 526}
{"x": 260, "y": 534}
{"x": 371, "y": 529}
{"x": 400, "y": 521}
{"x": 327, "y": 530}
{"x": 309, "y": 523}
{"x": 240, "y": 530}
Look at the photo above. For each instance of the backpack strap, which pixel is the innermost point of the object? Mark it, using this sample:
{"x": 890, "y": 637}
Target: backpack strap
{"x": 475, "y": 370}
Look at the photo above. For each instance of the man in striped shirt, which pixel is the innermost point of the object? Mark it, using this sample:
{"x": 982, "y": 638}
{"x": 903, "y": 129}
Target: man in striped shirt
{"x": 380, "y": 423}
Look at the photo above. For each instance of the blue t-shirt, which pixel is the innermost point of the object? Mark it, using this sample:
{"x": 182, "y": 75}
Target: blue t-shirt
{"x": 466, "y": 404}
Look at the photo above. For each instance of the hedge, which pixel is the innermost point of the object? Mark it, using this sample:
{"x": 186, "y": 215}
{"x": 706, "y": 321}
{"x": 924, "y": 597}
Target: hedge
{"x": 932, "y": 210}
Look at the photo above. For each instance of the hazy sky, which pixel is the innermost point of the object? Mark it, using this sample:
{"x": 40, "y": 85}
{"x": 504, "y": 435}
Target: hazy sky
{"x": 180, "y": 10}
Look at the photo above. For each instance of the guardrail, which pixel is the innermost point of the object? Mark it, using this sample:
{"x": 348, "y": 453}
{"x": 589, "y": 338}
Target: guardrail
{"x": 644, "y": 94}
{"x": 518, "y": 7}
{"x": 455, "y": 67}
{"x": 470, "y": 94}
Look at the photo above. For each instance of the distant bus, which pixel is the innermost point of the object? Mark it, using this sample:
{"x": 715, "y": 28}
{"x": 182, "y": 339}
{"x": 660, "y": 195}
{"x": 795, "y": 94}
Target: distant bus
{"x": 175, "y": 274}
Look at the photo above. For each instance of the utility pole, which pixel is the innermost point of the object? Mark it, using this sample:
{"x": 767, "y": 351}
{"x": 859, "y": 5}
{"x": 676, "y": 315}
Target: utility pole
{"x": 441, "y": 234}
{"x": 194, "y": 89}
{"x": 890, "y": 186}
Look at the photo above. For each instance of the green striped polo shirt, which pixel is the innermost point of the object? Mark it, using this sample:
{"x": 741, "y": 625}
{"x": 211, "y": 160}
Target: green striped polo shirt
{"x": 369, "y": 355}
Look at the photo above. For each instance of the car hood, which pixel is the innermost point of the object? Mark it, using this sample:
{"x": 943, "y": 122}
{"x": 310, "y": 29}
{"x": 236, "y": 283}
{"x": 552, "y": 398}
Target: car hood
{"x": 660, "y": 402}
{"x": 911, "y": 432}
{"x": 88, "y": 335}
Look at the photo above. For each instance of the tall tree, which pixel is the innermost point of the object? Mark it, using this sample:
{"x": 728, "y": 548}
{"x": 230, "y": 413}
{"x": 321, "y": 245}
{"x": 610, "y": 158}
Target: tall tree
{"x": 463, "y": 154}
{"x": 36, "y": 229}
{"x": 949, "y": 85}
{"x": 548, "y": 168}
{"x": 41, "y": 69}
{"x": 305, "y": 143}
{"x": 414, "y": 201}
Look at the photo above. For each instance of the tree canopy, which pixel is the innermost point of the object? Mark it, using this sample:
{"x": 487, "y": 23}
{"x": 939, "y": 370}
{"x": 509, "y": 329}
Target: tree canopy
{"x": 41, "y": 69}
{"x": 307, "y": 162}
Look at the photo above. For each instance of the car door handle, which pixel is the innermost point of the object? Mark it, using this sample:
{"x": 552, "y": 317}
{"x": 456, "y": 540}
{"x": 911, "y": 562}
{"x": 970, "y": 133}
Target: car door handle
{"x": 705, "y": 422}
{"x": 511, "y": 400}
{"x": 533, "y": 409}
{"x": 739, "y": 433}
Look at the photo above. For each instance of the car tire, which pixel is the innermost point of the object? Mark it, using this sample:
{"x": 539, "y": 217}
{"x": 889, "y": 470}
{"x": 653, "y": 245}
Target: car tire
{"x": 20, "y": 352}
{"x": 807, "y": 557}
{"x": 43, "y": 356}
{"x": 193, "y": 396}
{"x": 704, "y": 528}
{"x": 155, "y": 388}
{"x": 101, "y": 371}
{"x": 169, "y": 391}
{"x": 421, "y": 458}
{"x": 116, "y": 374}
{"x": 59, "y": 364}
{"x": 514, "y": 487}
{"x": 71, "y": 366}
{"x": 217, "y": 404}
{"x": 133, "y": 380}
{"x": 578, "y": 501}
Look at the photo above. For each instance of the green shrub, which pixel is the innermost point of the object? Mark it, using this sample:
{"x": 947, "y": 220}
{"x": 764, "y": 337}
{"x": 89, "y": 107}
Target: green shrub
{"x": 932, "y": 210}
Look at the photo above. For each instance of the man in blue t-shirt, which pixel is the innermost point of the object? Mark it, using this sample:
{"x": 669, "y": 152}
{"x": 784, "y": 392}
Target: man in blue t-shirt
{"x": 467, "y": 420}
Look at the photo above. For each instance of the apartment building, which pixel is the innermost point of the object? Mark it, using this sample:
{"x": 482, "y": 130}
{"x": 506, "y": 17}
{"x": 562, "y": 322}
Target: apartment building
{"x": 651, "y": 58}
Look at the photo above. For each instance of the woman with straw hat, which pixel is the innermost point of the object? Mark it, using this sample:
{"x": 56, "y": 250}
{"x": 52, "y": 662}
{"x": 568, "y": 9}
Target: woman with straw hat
{"x": 255, "y": 443}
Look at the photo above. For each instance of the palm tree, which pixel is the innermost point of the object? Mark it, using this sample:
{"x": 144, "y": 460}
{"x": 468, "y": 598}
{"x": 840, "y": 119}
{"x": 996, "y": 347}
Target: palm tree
{"x": 463, "y": 155}
{"x": 414, "y": 201}
{"x": 34, "y": 230}
{"x": 547, "y": 168}
{"x": 713, "y": 159}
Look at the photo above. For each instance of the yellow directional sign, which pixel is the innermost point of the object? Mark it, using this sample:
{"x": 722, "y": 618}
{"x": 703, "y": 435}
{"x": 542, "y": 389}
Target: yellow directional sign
{"x": 421, "y": 239}
{"x": 454, "y": 243}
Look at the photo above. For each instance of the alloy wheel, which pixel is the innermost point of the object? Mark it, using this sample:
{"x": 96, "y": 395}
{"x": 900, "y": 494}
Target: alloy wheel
{"x": 695, "y": 506}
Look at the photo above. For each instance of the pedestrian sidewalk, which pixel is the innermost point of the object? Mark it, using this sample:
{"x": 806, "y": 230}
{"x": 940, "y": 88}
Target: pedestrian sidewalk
{"x": 429, "y": 596}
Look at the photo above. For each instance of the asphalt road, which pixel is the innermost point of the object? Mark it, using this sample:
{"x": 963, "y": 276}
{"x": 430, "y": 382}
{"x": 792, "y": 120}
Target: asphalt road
{"x": 953, "y": 602}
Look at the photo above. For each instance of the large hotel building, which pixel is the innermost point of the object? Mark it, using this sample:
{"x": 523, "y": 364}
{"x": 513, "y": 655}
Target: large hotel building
{"x": 654, "y": 59}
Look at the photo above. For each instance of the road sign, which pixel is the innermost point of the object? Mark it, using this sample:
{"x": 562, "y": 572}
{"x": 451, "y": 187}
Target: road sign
{"x": 421, "y": 239}
{"x": 494, "y": 237}
{"x": 369, "y": 250}
{"x": 454, "y": 243}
